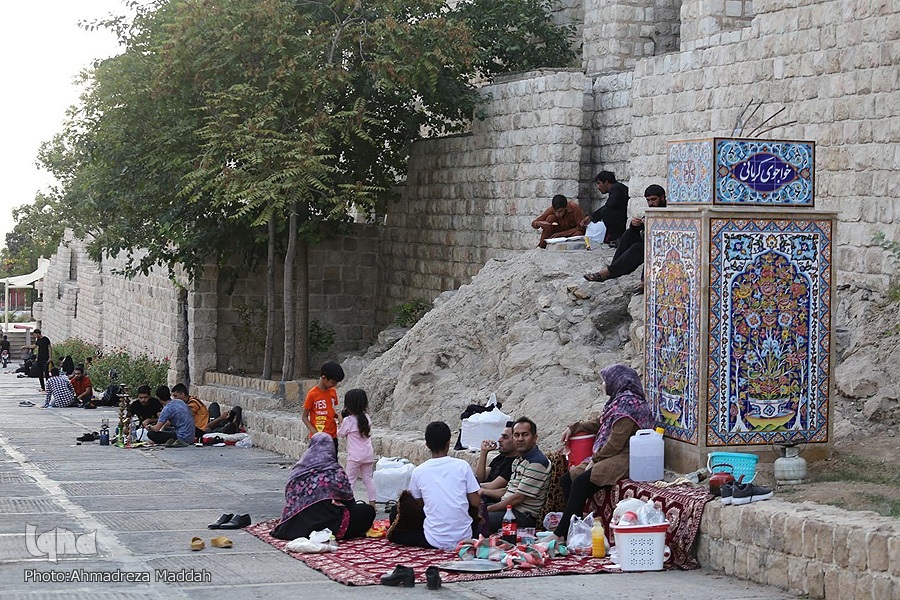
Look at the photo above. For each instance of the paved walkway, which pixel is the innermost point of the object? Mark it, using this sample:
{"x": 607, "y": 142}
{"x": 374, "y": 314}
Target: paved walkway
{"x": 144, "y": 506}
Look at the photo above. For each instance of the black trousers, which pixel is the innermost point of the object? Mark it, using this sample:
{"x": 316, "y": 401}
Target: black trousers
{"x": 42, "y": 371}
{"x": 577, "y": 492}
{"x": 161, "y": 437}
{"x": 629, "y": 253}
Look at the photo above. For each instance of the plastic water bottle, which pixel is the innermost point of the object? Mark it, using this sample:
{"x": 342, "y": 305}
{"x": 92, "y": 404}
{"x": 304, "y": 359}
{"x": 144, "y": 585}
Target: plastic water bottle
{"x": 509, "y": 529}
{"x": 598, "y": 540}
{"x": 650, "y": 514}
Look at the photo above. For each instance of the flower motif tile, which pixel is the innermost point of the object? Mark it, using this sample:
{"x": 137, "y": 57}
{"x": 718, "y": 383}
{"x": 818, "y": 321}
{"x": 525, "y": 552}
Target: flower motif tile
{"x": 769, "y": 330}
{"x": 673, "y": 268}
{"x": 690, "y": 172}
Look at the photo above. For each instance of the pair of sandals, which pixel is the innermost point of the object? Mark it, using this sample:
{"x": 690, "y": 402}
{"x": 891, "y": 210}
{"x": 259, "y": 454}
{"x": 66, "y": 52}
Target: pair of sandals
{"x": 596, "y": 277}
{"x": 219, "y": 542}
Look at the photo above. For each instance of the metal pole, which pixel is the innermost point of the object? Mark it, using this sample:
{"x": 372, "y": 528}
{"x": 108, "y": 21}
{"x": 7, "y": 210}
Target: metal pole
{"x": 6, "y": 309}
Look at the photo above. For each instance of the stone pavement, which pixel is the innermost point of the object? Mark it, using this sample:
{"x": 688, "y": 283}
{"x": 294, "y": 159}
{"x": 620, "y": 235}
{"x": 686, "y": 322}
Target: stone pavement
{"x": 143, "y": 507}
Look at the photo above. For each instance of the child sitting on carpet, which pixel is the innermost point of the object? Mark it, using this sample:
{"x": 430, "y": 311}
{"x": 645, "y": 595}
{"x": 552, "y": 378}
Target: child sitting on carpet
{"x": 356, "y": 427}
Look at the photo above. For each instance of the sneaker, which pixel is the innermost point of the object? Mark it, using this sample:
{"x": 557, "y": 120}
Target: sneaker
{"x": 726, "y": 491}
{"x": 745, "y": 493}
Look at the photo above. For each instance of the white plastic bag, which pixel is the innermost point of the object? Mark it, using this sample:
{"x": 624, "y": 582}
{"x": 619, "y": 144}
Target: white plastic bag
{"x": 551, "y": 520}
{"x": 596, "y": 231}
{"x": 580, "y": 540}
{"x": 482, "y": 426}
{"x": 318, "y": 542}
{"x": 244, "y": 442}
{"x": 628, "y": 504}
{"x": 391, "y": 477}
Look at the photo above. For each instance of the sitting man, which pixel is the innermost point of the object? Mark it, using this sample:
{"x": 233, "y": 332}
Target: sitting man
{"x": 60, "y": 393}
{"x": 562, "y": 219}
{"x": 630, "y": 250}
{"x": 84, "y": 389}
{"x": 495, "y": 480}
{"x": 445, "y": 487}
{"x": 614, "y": 213}
{"x": 175, "y": 425}
{"x": 198, "y": 409}
{"x": 529, "y": 483}
{"x": 146, "y": 408}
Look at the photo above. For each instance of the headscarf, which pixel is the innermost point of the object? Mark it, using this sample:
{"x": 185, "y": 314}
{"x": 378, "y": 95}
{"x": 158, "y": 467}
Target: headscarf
{"x": 626, "y": 399}
{"x": 317, "y": 476}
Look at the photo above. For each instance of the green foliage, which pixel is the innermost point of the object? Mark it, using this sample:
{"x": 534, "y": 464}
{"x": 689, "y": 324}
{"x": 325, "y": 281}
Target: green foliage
{"x": 893, "y": 250}
{"x": 516, "y": 35}
{"x": 38, "y": 232}
{"x": 133, "y": 371}
{"x": 409, "y": 313}
{"x": 321, "y": 337}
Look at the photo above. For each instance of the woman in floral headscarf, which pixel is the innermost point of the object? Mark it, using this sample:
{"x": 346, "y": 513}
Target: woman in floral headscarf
{"x": 625, "y": 412}
{"x": 318, "y": 495}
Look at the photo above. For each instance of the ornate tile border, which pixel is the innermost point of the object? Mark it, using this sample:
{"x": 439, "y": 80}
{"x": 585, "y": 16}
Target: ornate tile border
{"x": 690, "y": 172}
{"x": 764, "y": 172}
{"x": 673, "y": 267}
{"x": 769, "y": 330}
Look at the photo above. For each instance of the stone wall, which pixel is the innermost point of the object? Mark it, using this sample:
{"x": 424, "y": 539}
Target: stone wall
{"x": 84, "y": 300}
{"x": 703, "y": 18}
{"x": 810, "y": 549}
{"x": 343, "y": 278}
{"x": 472, "y": 197}
{"x": 833, "y": 66}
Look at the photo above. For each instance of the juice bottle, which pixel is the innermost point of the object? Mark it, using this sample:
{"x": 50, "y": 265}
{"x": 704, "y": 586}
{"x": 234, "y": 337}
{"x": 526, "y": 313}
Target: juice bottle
{"x": 598, "y": 541}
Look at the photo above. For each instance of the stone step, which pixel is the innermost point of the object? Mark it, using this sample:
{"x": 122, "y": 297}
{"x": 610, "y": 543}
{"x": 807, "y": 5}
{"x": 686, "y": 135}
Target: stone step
{"x": 248, "y": 399}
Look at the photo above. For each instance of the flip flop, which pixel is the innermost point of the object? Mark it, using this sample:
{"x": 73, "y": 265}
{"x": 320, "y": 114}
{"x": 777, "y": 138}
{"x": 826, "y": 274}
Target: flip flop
{"x": 197, "y": 544}
{"x": 221, "y": 542}
{"x": 595, "y": 277}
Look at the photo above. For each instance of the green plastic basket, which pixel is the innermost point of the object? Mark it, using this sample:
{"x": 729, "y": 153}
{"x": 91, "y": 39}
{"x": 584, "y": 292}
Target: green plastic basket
{"x": 741, "y": 464}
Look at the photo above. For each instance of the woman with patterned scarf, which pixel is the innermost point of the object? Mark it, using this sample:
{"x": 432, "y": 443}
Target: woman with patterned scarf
{"x": 318, "y": 495}
{"x": 625, "y": 412}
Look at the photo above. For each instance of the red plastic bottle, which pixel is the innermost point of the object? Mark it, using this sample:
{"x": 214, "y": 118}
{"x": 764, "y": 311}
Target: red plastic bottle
{"x": 509, "y": 529}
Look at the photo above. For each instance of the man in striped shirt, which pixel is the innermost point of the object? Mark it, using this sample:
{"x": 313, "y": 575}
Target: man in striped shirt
{"x": 530, "y": 480}
{"x": 60, "y": 393}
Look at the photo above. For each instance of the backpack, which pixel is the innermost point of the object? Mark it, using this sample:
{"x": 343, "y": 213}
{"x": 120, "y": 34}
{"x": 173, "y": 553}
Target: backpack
{"x": 110, "y": 396}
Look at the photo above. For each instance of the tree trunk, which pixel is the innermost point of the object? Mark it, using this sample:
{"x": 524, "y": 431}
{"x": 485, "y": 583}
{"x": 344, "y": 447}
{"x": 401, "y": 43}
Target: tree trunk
{"x": 270, "y": 301}
{"x": 302, "y": 362}
{"x": 290, "y": 322}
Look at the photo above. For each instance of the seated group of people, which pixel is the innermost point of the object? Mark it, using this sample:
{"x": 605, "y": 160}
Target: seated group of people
{"x": 64, "y": 391}
{"x": 448, "y": 502}
{"x": 565, "y": 218}
{"x": 177, "y": 416}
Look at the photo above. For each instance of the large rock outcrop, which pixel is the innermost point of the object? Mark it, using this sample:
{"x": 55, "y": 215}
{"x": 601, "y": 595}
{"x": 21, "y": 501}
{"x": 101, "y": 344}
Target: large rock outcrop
{"x": 529, "y": 328}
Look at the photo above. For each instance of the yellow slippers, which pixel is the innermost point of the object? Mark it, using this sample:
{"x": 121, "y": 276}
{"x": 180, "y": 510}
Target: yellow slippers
{"x": 221, "y": 542}
{"x": 197, "y": 544}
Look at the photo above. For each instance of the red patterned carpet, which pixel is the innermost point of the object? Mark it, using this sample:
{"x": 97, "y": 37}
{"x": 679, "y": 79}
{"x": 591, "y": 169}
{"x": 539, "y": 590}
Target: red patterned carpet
{"x": 364, "y": 561}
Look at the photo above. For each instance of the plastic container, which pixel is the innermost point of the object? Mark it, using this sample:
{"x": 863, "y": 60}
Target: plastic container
{"x": 598, "y": 540}
{"x": 391, "y": 477}
{"x": 580, "y": 447}
{"x": 641, "y": 547}
{"x": 646, "y": 456}
{"x": 487, "y": 425}
{"x": 742, "y": 464}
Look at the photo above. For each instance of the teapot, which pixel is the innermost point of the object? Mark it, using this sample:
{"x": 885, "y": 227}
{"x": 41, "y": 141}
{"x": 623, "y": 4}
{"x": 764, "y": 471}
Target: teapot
{"x": 720, "y": 478}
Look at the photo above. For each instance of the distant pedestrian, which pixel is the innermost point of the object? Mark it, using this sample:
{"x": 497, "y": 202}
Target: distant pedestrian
{"x": 42, "y": 343}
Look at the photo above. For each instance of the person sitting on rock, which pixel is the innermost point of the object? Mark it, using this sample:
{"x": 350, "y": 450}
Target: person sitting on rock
{"x": 630, "y": 250}
{"x": 614, "y": 212}
{"x": 146, "y": 408}
{"x": 562, "y": 219}
{"x": 445, "y": 488}
{"x": 495, "y": 478}
{"x": 529, "y": 482}
{"x": 60, "y": 393}
{"x": 175, "y": 424}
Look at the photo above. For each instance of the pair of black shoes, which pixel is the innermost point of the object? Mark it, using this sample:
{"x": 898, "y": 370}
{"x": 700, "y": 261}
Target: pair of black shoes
{"x": 404, "y": 576}
{"x": 88, "y": 437}
{"x": 230, "y": 521}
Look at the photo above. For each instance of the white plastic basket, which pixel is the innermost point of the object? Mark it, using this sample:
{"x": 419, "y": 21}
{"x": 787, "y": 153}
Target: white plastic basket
{"x": 641, "y": 547}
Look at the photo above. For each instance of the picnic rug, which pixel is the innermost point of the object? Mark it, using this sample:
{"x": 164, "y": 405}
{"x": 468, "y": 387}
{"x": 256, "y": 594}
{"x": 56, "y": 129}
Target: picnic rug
{"x": 363, "y": 561}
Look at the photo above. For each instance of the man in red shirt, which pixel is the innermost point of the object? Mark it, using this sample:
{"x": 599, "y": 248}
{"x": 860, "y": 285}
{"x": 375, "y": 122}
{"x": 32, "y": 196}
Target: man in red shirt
{"x": 81, "y": 383}
{"x": 562, "y": 219}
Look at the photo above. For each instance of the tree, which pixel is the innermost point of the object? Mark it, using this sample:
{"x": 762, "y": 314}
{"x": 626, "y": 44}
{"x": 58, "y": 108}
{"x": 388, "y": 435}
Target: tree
{"x": 268, "y": 117}
{"x": 38, "y": 232}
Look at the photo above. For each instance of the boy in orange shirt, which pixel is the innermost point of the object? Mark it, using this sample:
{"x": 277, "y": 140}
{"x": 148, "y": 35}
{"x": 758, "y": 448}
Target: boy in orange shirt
{"x": 320, "y": 408}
